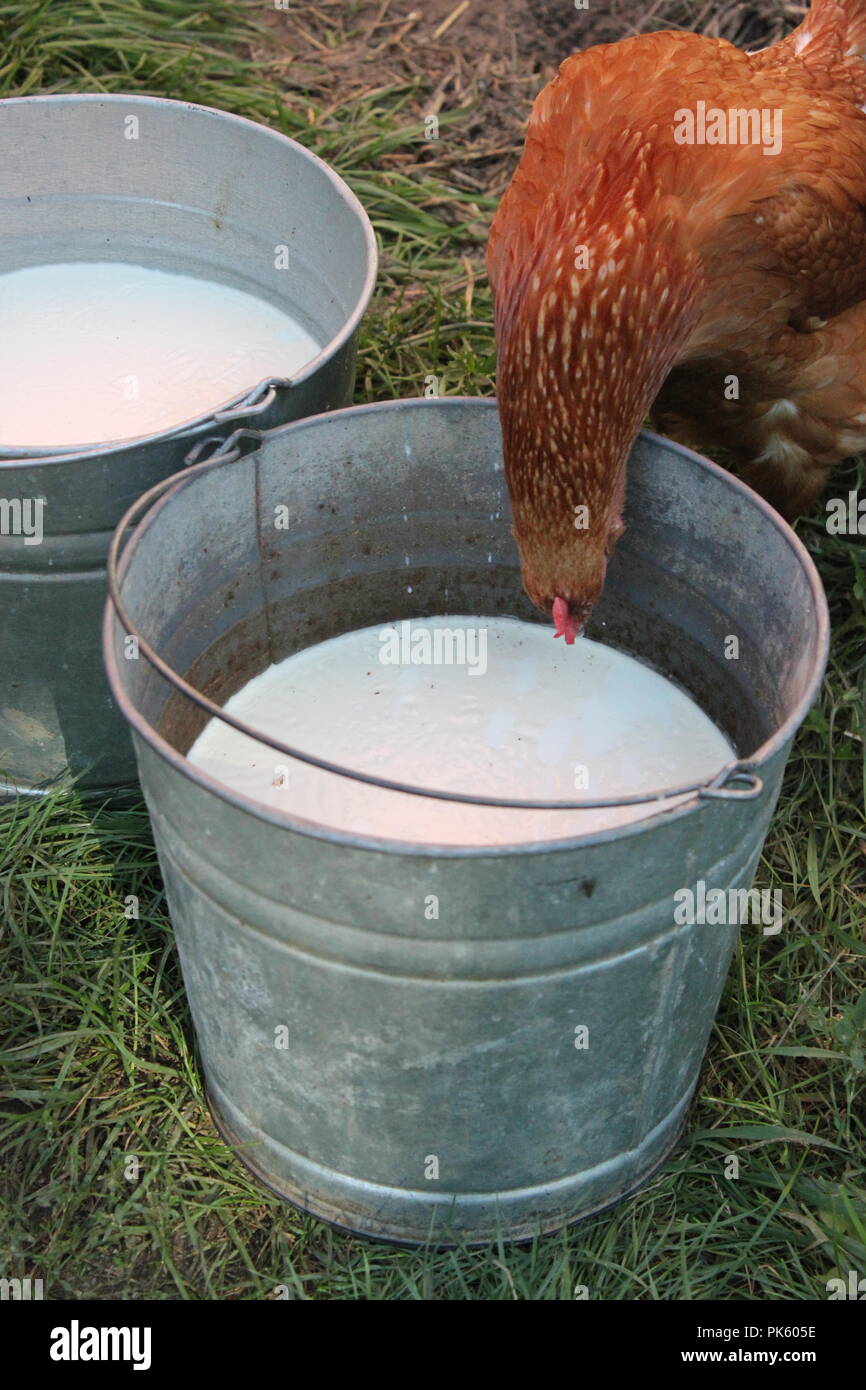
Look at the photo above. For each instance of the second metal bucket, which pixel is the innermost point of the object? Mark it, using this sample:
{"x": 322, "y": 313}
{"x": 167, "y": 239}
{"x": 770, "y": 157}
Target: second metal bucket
{"x": 431, "y": 1086}
{"x": 194, "y": 191}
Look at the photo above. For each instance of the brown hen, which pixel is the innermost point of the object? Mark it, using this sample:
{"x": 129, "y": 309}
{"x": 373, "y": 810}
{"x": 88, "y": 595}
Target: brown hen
{"x": 686, "y": 227}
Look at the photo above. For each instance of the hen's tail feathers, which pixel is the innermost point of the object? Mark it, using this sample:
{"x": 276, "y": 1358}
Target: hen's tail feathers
{"x": 830, "y": 20}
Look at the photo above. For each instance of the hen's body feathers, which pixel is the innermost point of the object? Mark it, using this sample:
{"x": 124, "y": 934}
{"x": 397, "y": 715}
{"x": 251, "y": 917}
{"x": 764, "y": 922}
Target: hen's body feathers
{"x": 729, "y": 277}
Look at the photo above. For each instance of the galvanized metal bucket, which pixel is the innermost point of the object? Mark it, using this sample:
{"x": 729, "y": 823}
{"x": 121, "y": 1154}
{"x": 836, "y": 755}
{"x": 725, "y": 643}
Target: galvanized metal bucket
{"x": 432, "y": 1086}
{"x": 174, "y": 187}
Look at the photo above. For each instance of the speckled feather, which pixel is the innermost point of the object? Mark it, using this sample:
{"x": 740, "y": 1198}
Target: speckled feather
{"x": 705, "y": 262}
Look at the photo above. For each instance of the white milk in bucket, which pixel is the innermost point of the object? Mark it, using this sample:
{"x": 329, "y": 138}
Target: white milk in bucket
{"x": 488, "y": 707}
{"x": 93, "y": 352}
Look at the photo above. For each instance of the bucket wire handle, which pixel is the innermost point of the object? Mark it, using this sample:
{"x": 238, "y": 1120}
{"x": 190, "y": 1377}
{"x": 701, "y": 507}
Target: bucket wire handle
{"x": 717, "y": 789}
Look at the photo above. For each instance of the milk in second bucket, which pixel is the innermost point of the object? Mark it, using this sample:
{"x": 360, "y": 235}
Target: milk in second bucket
{"x": 489, "y": 707}
{"x": 92, "y": 352}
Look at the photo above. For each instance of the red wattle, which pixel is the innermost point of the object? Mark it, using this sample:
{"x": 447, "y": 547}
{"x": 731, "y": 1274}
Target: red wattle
{"x": 565, "y": 625}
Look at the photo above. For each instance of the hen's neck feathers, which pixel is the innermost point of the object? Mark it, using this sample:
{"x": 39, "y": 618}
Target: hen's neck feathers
{"x": 593, "y": 313}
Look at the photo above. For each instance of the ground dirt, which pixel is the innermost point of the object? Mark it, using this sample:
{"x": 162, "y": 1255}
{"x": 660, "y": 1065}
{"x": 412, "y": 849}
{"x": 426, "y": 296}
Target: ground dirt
{"x": 485, "y": 58}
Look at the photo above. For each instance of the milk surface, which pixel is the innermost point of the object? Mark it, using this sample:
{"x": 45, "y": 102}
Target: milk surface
{"x": 92, "y": 352}
{"x": 520, "y": 716}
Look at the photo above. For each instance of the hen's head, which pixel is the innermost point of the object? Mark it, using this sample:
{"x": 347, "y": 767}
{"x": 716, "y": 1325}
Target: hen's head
{"x": 564, "y": 573}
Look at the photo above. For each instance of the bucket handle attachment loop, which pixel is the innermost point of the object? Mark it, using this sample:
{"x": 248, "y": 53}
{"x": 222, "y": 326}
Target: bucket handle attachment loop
{"x": 738, "y": 782}
{"x": 254, "y": 403}
{"x": 717, "y": 789}
{"x": 218, "y": 448}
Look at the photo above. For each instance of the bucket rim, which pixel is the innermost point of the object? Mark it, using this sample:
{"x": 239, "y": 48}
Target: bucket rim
{"x": 669, "y": 810}
{"x": 36, "y": 456}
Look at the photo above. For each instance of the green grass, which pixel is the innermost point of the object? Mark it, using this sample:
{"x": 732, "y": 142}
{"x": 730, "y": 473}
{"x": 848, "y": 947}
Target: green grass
{"x": 100, "y": 1062}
